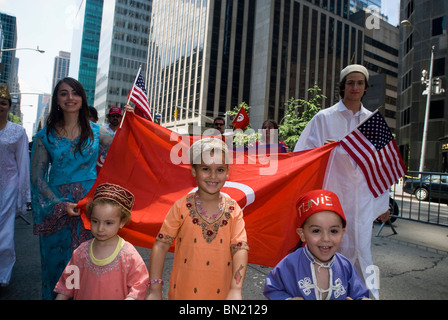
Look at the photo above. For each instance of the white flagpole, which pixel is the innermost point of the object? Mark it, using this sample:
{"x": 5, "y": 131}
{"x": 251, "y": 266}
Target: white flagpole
{"x": 365, "y": 120}
{"x": 130, "y": 95}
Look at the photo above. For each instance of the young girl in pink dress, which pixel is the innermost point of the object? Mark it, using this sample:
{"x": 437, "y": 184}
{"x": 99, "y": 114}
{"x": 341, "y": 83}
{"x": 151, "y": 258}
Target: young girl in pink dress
{"x": 106, "y": 267}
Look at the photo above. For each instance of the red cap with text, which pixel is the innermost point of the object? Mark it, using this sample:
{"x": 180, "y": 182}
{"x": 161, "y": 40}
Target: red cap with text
{"x": 115, "y": 110}
{"x": 317, "y": 201}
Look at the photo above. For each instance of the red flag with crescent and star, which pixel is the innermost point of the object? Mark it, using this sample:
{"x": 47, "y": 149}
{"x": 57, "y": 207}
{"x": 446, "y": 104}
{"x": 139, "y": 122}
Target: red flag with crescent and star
{"x": 151, "y": 162}
{"x": 241, "y": 120}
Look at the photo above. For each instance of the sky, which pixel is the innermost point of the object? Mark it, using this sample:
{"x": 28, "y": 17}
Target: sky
{"x": 49, "y": 25}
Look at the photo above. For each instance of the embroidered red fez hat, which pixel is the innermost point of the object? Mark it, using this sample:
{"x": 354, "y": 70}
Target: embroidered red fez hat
{"x": 115, "y": 193}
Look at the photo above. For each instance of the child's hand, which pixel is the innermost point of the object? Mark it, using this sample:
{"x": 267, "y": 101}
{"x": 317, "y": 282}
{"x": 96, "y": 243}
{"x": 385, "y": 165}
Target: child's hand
{"x": 156, "y": 295}
{"x": 296, "y": 298}
{"x": 234, "y": 294}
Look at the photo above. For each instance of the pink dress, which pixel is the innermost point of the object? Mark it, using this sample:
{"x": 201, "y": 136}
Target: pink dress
{"x": 202, "y": 266}
{"x": 122, "y": 275}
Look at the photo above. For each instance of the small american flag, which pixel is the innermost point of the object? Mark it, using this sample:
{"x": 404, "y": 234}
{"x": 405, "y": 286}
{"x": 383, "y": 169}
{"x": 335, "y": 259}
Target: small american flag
{"x": 139, "y": 97}
{"x": 374, "y": 149}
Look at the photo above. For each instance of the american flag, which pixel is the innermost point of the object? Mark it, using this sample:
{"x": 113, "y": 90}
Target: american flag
{"x": 374, "y": 149}
{"x": 139, "y": 97}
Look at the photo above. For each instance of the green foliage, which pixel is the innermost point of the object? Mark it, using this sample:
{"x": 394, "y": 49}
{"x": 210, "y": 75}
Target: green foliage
{"x": 15, "y": 119}
{"x": 248, "y": 137}
{"x": 295, "y": 121}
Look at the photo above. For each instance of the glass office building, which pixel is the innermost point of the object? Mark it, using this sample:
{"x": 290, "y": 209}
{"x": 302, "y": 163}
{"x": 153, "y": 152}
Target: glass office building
{"x": 427, "y": 28}
{"x": 8, "y": 39}
{"x": 85, "y": 45}
{"x": 206, "y": 57}
{"x": 200, "y": 59}
{"x": 123, "y": 49}
{"x": 61, "y": 67}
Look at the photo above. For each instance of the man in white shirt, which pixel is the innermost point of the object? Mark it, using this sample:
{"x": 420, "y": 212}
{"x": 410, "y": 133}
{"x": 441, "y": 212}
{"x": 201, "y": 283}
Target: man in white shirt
{"x": 343, "y": 175}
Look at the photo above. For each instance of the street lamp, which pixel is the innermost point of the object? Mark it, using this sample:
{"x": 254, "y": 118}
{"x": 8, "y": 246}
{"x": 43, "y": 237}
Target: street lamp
{"x": 428, "y": 103}
{"x": 15, "y": 49}
{"x": 426, "y": 79}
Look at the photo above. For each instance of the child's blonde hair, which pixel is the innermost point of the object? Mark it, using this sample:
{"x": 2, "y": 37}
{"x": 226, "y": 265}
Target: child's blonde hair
{"x": 207, "y": 145}
{"x": 125, "y": 215}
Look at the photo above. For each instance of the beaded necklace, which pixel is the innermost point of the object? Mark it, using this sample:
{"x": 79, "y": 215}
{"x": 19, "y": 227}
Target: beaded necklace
{"x": 203, "y": 212}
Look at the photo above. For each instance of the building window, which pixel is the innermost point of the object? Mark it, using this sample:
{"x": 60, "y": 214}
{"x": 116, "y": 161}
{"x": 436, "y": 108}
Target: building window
{"x": 406, "y": 117}
{"x": 437, "y": 109}
{"x": 409, "y": 9}
{"x": 409, "y": 44}
{"x": 439, "y": 67}
{"x": 438, "y": 26}
{"x": 407, "y": 80}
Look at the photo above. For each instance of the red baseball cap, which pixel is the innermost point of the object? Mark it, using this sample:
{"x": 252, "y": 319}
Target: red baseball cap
{"x": 115, "y": 110}
{"x": 317, "y": 201}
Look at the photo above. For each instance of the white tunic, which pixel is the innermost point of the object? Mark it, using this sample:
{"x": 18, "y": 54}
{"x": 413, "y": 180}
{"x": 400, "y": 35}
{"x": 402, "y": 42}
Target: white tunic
{"x": 345, "y": 178}
{"x": 14, "y": 191}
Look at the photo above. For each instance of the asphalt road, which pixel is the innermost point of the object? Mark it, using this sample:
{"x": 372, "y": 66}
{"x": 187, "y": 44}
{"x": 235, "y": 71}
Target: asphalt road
{"x": 413, "y": 264}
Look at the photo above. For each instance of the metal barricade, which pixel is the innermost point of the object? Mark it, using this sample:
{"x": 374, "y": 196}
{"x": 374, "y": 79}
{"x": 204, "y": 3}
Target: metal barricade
{"x": 423, "y": 197}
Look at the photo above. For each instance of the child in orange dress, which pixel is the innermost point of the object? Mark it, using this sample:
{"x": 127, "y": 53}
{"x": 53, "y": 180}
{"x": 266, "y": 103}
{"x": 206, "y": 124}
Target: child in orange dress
{"x": 211, "y": 251}
{"x": 106, "y": 267}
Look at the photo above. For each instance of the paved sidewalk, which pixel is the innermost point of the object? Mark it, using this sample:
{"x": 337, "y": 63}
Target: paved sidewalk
{"x": 413, "y": 264}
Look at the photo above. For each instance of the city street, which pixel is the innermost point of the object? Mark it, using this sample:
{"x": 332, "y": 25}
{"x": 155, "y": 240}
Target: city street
{"x": 434, "y": 211}
{"x": 413, "y": 264}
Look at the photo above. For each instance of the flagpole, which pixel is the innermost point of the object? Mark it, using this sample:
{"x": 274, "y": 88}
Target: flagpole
{"x": 362, "y": 122}
{"x": 130, "y": 94}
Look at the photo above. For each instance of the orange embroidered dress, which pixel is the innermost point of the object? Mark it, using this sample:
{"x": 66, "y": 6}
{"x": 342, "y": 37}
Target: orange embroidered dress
{"x": 202, "y": 267}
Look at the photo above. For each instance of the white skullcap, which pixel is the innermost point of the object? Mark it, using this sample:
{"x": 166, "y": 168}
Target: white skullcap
{"x": 354, "y": 68}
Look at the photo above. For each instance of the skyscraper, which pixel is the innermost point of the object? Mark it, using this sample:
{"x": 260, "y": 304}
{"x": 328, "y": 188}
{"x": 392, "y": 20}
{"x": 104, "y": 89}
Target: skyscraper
{"x": 207, "y": 56}
{"x": 426, "y": 27}
{"x": 61, "y": 67}
{"x": 85, "y": 45}
{"x": 8, "y": 40}
{"x": 200, "y": 59}
{"x": 9, "y": 64}
{"x": 123, "y": 49}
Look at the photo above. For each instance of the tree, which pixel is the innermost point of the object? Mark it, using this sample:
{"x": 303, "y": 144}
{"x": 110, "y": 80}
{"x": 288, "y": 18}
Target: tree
{"x": 295, "y": 121}
{"x": 15, "y": 119}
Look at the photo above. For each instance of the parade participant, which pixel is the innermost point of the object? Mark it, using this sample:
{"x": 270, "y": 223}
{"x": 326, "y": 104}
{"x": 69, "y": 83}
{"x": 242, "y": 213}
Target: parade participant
{"x": 14, "y": 183}
{"x": 316, "y": 271}
{"x": 344, "y": 177}
{"x": 63, "y": 169}
{"x": 93, "y": 114}
{"x": 270, "y": 126}
{"x": 108, "y": 267}
{"x": 219, "y": 124}
{"x": 211, "y": 250}
{"x": 114, "y": 118}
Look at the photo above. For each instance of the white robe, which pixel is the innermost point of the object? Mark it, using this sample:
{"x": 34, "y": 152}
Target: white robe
{"x": 345, "y": 178}
{"x": 14, "y": 191}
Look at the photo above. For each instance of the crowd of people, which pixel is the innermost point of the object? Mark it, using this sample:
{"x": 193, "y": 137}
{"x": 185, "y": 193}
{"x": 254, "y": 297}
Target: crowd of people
{"x": 211, "y": 252}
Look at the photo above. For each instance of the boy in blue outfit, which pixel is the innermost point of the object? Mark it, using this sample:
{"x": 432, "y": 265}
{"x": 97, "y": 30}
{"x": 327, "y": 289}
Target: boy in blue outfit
{"x": 316, "y": 271}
